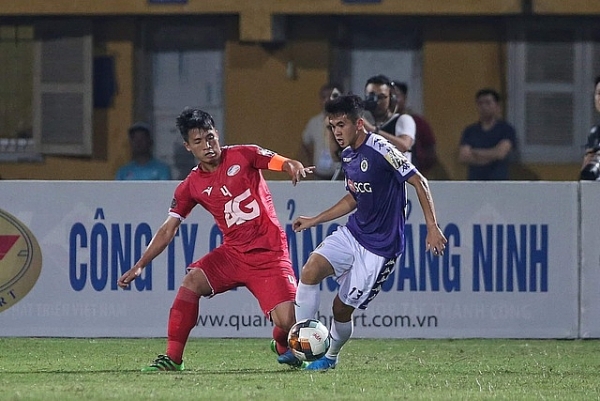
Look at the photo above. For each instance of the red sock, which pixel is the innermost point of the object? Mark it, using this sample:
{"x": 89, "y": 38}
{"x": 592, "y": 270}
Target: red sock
{"x": 280, "y": 336}
{"x": 182, "y": 319}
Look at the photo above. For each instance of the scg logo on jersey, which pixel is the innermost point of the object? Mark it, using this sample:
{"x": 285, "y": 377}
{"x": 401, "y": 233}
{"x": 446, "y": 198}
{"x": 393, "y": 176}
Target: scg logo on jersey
{"x": 360, "y": 187}
{"x": 20, "y": 260}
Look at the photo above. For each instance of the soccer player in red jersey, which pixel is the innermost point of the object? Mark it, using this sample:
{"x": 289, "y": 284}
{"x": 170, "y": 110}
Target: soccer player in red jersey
{"x": 229, "y": 184}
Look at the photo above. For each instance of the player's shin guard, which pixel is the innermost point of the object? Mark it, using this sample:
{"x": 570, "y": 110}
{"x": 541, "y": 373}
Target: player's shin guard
{"x": 308, "y": 298}
{"x": 182, "y": 319}
{"x": 339, "y": 333}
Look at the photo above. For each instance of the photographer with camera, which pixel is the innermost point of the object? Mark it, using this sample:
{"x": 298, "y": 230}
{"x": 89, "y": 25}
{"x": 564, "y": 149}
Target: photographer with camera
{"x": 590, "y": 169}
{"x": 380, "y": 101}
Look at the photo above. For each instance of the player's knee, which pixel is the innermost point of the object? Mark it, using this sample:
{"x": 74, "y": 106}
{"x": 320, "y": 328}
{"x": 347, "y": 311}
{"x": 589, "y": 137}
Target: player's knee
{"x": 197, "y": 282}
{"x": 283, "y": 316}
{"x": 341, "y": 311}
{"x": 286, "y": 323}
{"x": 310, "y": 275}
{"x": 315, "y": 270}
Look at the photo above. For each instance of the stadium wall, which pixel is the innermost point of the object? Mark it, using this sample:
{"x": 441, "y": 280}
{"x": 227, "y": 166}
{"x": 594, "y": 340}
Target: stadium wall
{"x": 522, "y": 261}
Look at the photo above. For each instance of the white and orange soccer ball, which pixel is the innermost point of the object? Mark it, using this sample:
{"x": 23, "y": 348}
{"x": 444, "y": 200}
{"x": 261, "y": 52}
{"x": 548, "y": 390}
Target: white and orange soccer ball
{"x": 309, "y": 339}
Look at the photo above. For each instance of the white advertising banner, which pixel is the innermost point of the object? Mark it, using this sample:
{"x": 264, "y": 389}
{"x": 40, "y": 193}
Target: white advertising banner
{"x": 590, "y": 260}
{"x": 510, "y": 269}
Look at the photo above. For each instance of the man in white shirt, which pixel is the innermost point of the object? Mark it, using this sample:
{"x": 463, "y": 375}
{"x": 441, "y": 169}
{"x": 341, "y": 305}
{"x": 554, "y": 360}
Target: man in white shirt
{"x": 315, "y": 140}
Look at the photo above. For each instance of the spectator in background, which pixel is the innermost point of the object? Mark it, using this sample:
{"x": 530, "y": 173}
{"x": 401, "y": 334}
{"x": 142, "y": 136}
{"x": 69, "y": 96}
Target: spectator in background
{"x": 143, "y": 165}
{"x": 423, "y": 150}
{"x": 315, "y": 139}
{"x": 380, "y": 101}
{"x": 590, "y": 169}
{"x": 485, "y": 145}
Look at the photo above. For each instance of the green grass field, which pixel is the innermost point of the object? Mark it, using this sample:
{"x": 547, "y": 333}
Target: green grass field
{"x": 245, "y": 369}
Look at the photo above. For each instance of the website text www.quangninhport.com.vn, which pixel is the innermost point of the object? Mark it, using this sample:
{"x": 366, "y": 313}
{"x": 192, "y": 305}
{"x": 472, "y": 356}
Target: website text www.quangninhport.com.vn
{"x": 241, "y": 321}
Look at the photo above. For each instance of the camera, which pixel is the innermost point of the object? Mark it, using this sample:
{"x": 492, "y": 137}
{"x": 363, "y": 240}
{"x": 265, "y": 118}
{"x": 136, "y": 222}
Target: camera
{"x": 591, "y": 171}
{"x": 335, "y": 93}
{"x": 371, "y": 101}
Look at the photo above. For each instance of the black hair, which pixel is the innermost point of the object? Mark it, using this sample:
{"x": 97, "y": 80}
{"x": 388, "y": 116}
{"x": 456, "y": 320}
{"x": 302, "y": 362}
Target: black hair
{"x": 331, "y": 86}
{"x": 488, "y": 91}
{"x": 379, "y": 80}
{"x": 401, "y": 86}
{"x": 193, "y": 118}
{"x": 350, "y": 105}
{"x": 597, "y": 81}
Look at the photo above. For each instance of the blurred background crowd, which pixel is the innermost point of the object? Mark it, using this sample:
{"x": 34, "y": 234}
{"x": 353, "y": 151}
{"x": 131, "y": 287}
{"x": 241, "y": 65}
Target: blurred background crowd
{"x": 77, "y": 77}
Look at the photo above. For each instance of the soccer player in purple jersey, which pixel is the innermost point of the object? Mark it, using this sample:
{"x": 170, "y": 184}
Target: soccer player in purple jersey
{"x": 228, "y": 183}
{"x": 362, "y": 254}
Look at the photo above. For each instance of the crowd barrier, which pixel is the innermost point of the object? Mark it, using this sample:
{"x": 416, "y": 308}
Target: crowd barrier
{"x": 522, "y": 261}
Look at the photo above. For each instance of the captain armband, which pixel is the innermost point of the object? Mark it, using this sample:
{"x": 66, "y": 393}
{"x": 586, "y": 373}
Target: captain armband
{"x": 276, "y": 163}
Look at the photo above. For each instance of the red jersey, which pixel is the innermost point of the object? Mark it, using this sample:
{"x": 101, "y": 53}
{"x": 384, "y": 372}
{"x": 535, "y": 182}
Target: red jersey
{"x": 238, "y": 198}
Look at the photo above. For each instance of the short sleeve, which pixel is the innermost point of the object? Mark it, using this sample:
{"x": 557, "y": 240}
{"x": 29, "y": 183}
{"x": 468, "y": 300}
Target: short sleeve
{"x": 405, "y": 125}
{"x": 464, "y": 137}
{"x": 403, "y": 169}
{"x": 182, "y": 203}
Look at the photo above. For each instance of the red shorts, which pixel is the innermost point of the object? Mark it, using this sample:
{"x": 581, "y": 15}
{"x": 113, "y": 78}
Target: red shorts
{"x": 267, "y": 274}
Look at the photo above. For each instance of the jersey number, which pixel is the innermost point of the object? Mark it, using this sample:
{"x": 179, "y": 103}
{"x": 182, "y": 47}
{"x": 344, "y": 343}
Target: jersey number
{"x": 357, "y": 293}
{"x": 234, "y": 213}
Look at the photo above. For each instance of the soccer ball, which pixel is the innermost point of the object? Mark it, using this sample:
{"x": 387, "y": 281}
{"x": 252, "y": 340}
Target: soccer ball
{"x": 308, "y": 339}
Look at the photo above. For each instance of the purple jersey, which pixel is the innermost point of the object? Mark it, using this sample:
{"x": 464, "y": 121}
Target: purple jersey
{"x": 376, "y": 174}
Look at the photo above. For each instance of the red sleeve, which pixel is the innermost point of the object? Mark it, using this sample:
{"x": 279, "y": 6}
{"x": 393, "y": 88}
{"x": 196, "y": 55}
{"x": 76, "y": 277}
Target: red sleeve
{"x": 259, "y": 157}
{"x": 182, "y": 203}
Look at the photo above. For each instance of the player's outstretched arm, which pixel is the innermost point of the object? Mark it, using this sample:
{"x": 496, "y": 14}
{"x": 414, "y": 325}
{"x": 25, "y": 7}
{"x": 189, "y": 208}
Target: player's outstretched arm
{"x": 159, "y": 242}
{"x": 436, "y": 241}
{"x": 294, "y": 168}
{"x": 341, "y": 208}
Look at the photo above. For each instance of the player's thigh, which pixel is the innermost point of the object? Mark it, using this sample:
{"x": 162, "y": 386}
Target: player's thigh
{"x": 338, "y": 250}
{"x": 272, "y": 283}
{"x": 220, "y": 270}
{"x": 197, "y": 281}
{"x": 283, "y": 315}
{"x": 361, "y": 284}
{"x": 316, "y": 268}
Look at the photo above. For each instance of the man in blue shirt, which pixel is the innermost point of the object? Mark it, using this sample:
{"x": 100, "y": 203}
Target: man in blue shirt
{"x": 362, "y": 254}
{"x": 143, "y": 166}
{"x": 485, "y": 145}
